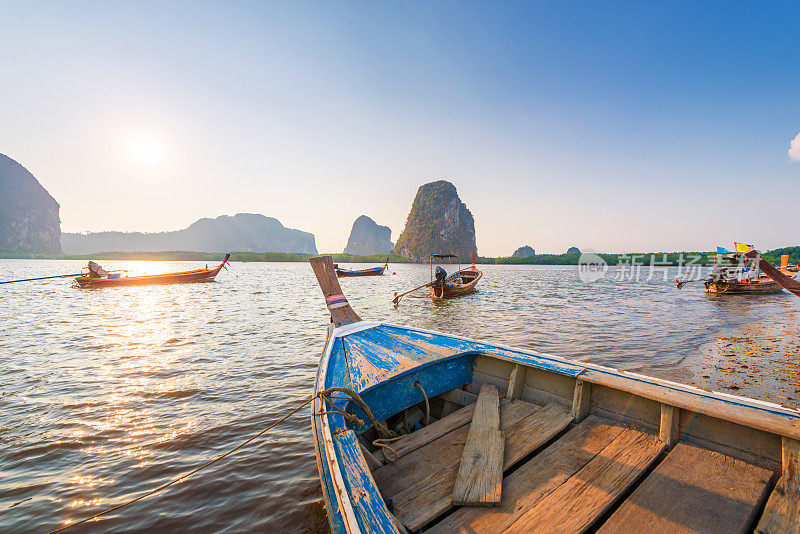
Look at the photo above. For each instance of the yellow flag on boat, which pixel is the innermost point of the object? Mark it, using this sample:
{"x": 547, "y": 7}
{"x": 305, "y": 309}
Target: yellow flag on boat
{"x": 742, "y": 247}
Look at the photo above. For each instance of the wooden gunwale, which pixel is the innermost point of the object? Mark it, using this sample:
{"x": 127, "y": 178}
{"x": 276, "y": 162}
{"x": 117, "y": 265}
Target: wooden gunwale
{"x": 345, "y": 505}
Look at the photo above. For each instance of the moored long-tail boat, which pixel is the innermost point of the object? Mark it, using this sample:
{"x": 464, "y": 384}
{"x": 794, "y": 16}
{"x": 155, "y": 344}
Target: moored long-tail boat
{"x": 400, "y": 433}
{"x": 737, "y": 273}
{"x": 95, "y": 278}
{"x": 372, "y": 271}
{"x": 461, "y": 282}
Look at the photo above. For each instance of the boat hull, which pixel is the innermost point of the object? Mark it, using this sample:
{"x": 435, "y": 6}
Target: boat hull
{"x": 187, "y": 277}
{"x": 399, "y": 358}
{"x": 375, "y": 271}
{"x": 738, "y": 288}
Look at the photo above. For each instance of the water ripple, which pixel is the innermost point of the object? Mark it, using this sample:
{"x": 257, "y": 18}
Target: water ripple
{"x": 105, "y": 394}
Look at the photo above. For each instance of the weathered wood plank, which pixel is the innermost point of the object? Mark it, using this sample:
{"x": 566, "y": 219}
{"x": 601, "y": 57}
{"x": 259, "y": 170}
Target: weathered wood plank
{"x": 422, "y": 502}
{"x": 516, "y": 382}
{"x": 580, "y": 400}
{"x": 415, "y": 440}
{"x": 479, "y": 379}
{"x": 443, "y": 452}
{"x": 668, "y": 431}
{"x": 730, "y": 438}
{"x": 535, "y": 479}
{"x": 479, "y": 480}
{"x": 459, "y": 396}
{"x": 582, "y": 499}
{"x": 341, "y": 312}
{"x": 372, "y": 462}
{"x": 790, "y": 459}
{"x": 782, "y": 513}
{"x": 622, "y": 406}
{"x": 694, "y": 490}
{"x": 556, "y": 387}
{"x": 773, "y": 419}
{"x": 487, "y": 409}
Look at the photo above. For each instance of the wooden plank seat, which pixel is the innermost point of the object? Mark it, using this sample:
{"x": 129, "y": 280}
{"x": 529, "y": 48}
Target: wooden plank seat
{"x": 419, "y": 485}
{"x": 694, "y": 490}
{"x": 567, "y": 486}
{"x": 415, "y": 440}
{"x": 480, "y": 472}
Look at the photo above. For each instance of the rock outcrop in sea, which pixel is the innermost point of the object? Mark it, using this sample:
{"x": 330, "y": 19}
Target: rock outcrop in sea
{"x": 29, "y": 221}
{"x": 367, "y": 238}
{"x": 573, "y": 250}
{"x": 524, "y": 252}
{"x": 244, "y": 232}
{"x": 438, "y": 223}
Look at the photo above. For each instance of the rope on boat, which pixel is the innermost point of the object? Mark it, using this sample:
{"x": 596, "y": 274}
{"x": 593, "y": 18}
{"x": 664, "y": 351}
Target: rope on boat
{"x": 427, "y": 404}
{"x": 382, "y": 430}
{"x": 322, "y": 394}
{"x": 383, "y": 444}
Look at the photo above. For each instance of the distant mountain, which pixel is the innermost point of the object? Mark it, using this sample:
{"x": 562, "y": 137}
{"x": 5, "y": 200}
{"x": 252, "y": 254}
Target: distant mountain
{"x": 438, "y": 223}
{"x": 523, "y": 252}
{"x": 368, "y": 238}
{"x": 28, "y": 214}
{"x": 244, "y": 232}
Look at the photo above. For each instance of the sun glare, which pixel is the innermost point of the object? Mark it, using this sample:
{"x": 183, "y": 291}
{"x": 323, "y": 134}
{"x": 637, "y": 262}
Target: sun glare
{"x": 145, "y": 149}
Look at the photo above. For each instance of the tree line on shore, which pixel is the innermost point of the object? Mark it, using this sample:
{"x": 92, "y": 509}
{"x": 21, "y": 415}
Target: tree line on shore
{"x": 650, "y": 258}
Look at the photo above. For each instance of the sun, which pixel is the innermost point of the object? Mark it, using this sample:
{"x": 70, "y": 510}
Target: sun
{"x": 145, "y": 149}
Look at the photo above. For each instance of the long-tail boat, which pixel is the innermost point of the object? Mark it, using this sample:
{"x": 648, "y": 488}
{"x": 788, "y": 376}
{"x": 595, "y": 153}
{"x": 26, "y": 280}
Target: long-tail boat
{"x": 416, "y": 430}
{"x": 97, "y": 277}
{"x": 735, "y": 273}
{"x": 372, "y": 271}
{"x": 461, "y": 282}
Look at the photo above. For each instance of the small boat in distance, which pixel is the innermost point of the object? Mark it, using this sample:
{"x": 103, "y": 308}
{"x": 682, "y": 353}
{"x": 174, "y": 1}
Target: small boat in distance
{"x": 421, "y": 431}
{"x": 98, "y": 277}
{"x": 461, "y": 282}
{"x": 372, "y": 271}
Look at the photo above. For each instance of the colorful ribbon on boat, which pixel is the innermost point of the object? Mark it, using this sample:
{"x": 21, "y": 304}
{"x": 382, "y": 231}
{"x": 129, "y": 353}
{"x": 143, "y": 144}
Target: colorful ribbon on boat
{"x": 336, "y": 301}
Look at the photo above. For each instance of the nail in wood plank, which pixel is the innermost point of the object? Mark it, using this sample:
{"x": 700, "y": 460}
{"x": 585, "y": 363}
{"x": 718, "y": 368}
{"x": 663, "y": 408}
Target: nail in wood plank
{"x": 480, "y": 476}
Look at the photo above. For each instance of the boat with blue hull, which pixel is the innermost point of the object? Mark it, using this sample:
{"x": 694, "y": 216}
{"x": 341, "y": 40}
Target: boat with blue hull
{"x": 417, "y": 430}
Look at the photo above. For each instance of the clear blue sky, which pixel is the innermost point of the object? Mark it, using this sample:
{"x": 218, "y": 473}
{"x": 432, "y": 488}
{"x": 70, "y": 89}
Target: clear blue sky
{"x": 607, "y": 125}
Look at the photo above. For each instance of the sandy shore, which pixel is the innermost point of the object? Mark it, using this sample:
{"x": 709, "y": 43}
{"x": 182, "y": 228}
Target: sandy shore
{"x": 759, "y": 360}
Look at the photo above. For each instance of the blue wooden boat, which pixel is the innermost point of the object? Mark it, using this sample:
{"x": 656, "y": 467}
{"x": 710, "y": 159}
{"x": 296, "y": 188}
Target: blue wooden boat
{"x": 586, "y": 447}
